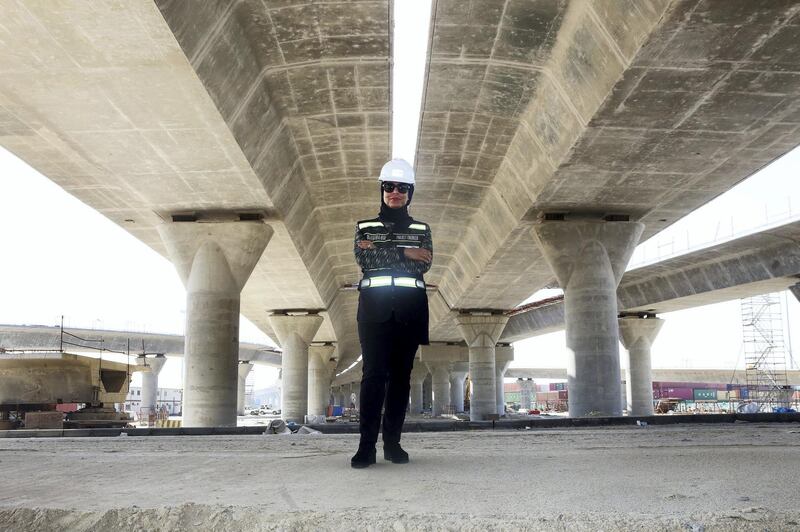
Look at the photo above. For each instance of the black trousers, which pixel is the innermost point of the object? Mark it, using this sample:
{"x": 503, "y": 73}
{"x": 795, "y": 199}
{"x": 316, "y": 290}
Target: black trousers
{"x": 388, "y": 351}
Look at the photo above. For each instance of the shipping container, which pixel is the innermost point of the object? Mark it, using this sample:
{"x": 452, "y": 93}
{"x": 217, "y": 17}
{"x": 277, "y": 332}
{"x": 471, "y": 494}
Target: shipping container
{"x": 701, "y": 385}
{"x": 704, "y": 394}
{"x": 686, "y": 394}
{"x": 725, "y": 395}
{"x": 546, "y": 396}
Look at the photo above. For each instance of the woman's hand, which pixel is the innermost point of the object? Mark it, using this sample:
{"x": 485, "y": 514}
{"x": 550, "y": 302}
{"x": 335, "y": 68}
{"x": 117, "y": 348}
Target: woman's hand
{"x": 420, "y": 254}
{"x": 366, "y": 244}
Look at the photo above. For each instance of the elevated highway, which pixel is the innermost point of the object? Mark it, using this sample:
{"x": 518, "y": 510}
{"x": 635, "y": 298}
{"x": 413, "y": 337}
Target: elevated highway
{"x": 590, "y": 124}
{"x": 40, "y": 337}
{"x": 767, "y": 261}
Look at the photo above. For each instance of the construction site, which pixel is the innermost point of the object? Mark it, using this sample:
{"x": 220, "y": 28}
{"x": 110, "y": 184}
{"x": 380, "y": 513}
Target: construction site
{"x": 580, "y": 367}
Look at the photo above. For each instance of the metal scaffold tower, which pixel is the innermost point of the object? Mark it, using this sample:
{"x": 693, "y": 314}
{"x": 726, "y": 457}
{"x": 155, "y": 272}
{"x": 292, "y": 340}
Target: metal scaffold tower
{"x": 765, "y": 351}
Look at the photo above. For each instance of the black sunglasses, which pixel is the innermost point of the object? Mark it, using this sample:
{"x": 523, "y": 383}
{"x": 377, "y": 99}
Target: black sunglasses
{"x": 388, "y": 186}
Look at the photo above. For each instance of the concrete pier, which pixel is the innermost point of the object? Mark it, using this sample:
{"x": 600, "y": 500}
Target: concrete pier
{"x": 440, "y": 381}
{"x": 418, "y": 375}
{"x": 458, "y": 374}
{"x": 344, "y": 395}
{"x": 320, "y": 371}
{"x": 481, "y": 332}
{"x": 427, "y": 392}
{"x": 637, "y": 335}
{"x": 527, "y": 389}
{"x": 150, "y": 382}
{"x": 500, "y": 370}
{"x": 214, "y": 261}
{"x": 244, "y": 371}
{"x": 588, "y": 258}
{"x": 295, "y": 332}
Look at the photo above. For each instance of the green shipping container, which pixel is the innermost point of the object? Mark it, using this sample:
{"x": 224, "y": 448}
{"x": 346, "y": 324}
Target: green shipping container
{"x": 703, "y": 394}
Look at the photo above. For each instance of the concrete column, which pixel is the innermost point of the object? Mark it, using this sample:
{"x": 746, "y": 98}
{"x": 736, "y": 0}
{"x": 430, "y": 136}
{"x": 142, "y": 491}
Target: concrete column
{"x": 427, "y": 392}
{"x": 320, "y": 372}
{"x": 481, "y": 332}
{"x": 458, "y": 373}
{"x": 588, "y": 258}
{"x": 637, "y": 335}
{"x": 500, "y": 371}
{"x": 344, "y": 394}
{"x": 527, "y": 389}
{"x": 149, "y": 402}
{"x": 295, "y": 333}
{"x": 244, "y": 371}
{"x": 214, "y": 260}
{"x": 440, "y": 383}
{"x": 418, "y": 375}
{"x": 624, "y": 387}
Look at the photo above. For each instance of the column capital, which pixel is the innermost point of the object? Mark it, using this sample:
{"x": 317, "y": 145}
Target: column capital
{"x": 481, "y": 330}
{"x": 435, "y": 366}
{"x": 503, "y": 355}
{"x": 419, "y": 371}
{"x": 443, "y": 352}
{"x": 460, "y": 368}
{"x": 305, "y": 326}
{"x": 155, "y": 363}
{"x": 635, "y": 331}
{"x": 565, "y": 242}
{"x": 324, "y": 355}
{"x": 240, "y": 243}
{"x": 244, "y": 369}
{"x": 324, "y": 352}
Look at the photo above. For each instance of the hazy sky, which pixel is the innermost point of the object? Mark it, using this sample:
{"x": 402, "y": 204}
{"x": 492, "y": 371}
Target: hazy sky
{"x": 62, "y": 257}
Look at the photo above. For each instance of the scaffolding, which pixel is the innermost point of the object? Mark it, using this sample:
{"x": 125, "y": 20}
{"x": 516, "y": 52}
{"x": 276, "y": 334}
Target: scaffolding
{"x": 765, "y": 351}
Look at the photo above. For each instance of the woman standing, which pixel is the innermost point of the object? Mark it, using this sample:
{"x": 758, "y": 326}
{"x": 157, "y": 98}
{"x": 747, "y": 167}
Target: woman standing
{"x": 393, "y": 251}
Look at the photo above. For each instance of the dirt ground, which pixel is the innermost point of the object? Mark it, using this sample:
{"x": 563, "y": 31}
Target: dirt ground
{"x": 680, "y": 477}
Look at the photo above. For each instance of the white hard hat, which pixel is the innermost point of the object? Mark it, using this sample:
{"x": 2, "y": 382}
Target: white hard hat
{"x": 397, "y": 170}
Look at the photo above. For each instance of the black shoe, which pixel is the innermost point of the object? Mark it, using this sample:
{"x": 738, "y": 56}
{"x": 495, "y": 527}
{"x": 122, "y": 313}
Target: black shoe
{"x": 364, "y": 457}
{"x": 394, "y": 453}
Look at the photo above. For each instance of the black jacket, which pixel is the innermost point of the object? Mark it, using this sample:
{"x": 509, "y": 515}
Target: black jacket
{"x": 377, "y": 305}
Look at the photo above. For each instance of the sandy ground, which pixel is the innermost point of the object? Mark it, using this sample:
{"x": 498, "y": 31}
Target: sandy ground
{"x": 681, "y": 477}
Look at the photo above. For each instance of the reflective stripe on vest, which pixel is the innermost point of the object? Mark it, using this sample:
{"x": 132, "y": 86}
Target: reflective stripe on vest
{"x": 364, "y": 225}
{"x": 388, "y": 280}
{"x": 419, "y": 227}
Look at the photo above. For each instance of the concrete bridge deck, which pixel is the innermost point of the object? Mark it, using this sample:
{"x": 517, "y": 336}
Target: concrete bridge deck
{"x": 243, "y": 138}
{"x": 699, "y": 477}
{"x": 529, "y": 108}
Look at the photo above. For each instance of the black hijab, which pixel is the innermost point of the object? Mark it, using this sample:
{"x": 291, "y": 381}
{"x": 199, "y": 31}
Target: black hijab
{"x": 399, "y": 217}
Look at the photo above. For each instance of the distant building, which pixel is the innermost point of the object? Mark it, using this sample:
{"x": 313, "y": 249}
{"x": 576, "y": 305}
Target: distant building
{"x": 171, "y": 398}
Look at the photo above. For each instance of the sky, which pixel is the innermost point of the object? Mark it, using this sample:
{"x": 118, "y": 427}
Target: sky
{"x": 61, "y": 257}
